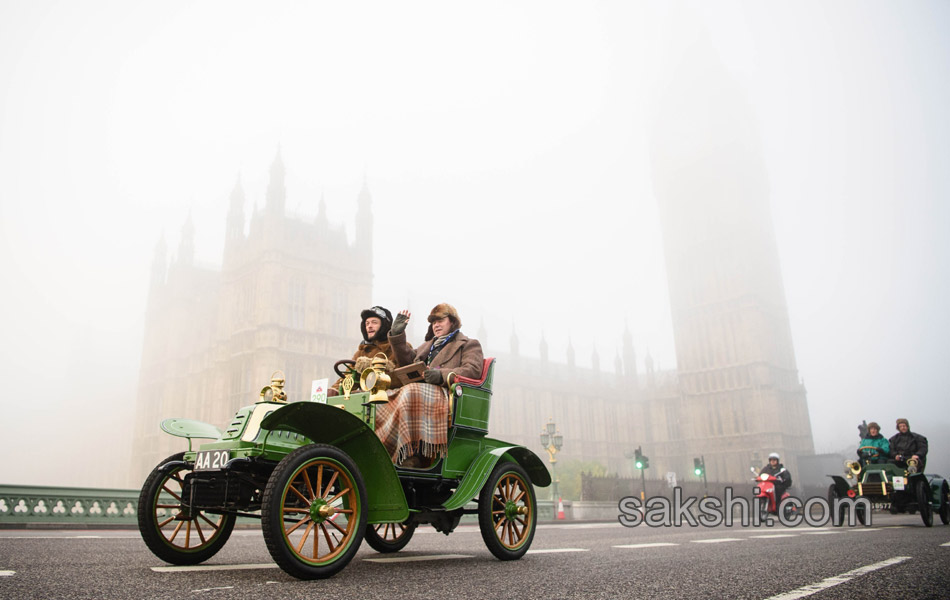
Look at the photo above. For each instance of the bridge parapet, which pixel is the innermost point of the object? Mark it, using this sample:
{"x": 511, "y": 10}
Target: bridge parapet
{"x": 25, "y": 506}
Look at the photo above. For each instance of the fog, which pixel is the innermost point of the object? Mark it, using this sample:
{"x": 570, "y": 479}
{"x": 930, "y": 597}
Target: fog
{"x": 507, "y": 150}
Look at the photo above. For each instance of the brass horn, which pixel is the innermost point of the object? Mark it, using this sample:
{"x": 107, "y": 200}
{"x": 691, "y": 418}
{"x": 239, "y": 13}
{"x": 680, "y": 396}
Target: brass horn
{"x": 852, "y": 468}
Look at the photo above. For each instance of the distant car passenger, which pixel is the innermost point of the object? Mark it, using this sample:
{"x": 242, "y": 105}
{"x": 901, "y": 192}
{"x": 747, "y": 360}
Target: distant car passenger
{"x": 413, "y": 426}
{"x": 906, "y": 445}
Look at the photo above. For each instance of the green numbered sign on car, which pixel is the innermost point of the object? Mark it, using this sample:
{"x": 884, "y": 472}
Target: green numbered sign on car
{"x": 320, "y": 481}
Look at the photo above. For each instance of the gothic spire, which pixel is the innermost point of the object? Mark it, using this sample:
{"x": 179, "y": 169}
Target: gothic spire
{"x": 276, "y": 189}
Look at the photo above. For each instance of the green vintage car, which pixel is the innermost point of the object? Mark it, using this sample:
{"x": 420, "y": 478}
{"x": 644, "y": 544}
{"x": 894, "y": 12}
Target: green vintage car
{"x": 319, "y": 479}
{"x": 897, "y": 488}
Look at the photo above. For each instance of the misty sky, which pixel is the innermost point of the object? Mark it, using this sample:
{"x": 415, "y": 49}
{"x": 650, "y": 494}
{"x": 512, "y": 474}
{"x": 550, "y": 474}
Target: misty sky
{"x": 514, "y": 136}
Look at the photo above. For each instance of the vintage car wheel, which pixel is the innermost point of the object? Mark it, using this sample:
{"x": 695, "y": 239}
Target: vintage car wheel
{"x": 313, "y": 511}
{"x": 861, "y": 513}
{"x": 923, "y": 503}
{"x": 507, "y": 511}
{"x": 945, "y": 504}
{"x": 170, "y": 530}
{"x": 836, "y": 518}
{"x": 389, "y": 537}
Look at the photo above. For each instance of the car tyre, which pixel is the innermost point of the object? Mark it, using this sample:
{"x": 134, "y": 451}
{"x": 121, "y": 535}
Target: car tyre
{"x": 945, "y": 504}
{"x": 507, "y": 511}
{"x": 837, "y": 518}
{"x": 164, "y": 521}
{"x": 313, "y": 512}
{"x": 923, "y": 503}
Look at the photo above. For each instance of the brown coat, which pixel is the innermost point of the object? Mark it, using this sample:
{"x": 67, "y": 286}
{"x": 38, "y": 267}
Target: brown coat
{"x": 462, "y": 355}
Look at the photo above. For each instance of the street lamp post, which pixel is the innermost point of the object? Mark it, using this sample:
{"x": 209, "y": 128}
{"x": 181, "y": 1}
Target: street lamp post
{"x": 551, "y": 440}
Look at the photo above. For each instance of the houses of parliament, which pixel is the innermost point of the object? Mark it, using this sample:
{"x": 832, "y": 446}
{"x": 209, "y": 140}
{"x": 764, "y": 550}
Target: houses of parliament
{"x": 288, "y": 292}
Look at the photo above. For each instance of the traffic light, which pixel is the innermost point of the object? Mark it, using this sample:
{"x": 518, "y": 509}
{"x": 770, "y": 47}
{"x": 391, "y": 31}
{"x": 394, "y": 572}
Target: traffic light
{"x": 698, "y": 467}
{"x": 638, "y": 459}
{"x": 646, "y": 462}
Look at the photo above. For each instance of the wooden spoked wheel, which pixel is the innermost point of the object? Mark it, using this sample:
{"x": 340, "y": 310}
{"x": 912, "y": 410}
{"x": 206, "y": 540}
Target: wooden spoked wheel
{"x": 312, "y": 511}
{"x": 389, "y": 537}
{"x": 172, "y": 531}
{"x": 507, "y": 512}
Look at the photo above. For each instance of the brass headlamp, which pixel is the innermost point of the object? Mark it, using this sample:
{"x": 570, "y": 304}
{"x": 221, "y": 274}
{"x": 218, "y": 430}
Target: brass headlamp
{"x": 375, "y": 380}
{"x": 275, "y": 391}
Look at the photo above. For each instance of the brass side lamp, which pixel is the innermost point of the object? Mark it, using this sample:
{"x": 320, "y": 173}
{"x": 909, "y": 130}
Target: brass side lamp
{"x": 375, "y": 380}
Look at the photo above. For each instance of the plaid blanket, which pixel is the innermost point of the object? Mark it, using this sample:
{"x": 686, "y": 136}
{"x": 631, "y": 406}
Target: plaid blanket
{"x": 415, "y": 421}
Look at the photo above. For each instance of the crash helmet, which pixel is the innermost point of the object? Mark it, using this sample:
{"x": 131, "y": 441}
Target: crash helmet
{"x": 775, "y": 456}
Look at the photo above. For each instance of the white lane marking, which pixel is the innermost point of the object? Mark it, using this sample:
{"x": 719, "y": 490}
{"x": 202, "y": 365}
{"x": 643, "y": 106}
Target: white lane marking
{"x": 862, "y": 528}
{"x": 395, "y": 559}
{"x": 577, "y": 526}
{"x": 227, "y": 587}
{"x": 12, "y": 573}
{"x": 653, "y": 545}
{"x": 947, "y": 544}
{"x": 69, "y": 537}
{"x": 554, "y": 550}
{"x": 773, "y": 535}
{"x": 821, "y": 532}
{"x": 715, "y": 540}
{"x": 214, "y": 568}
{"x": 824, "y": 584}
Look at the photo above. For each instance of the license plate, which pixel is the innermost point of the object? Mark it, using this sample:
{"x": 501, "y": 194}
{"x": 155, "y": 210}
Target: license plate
{"x": 898, "y": 483}
{"x": 211, "y": 460}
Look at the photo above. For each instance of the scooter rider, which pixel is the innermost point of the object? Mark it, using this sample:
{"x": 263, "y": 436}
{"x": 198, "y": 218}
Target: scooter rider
{"x": 778, "y": 470}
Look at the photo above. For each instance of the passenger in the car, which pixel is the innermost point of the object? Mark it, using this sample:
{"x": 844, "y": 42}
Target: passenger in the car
{"x": 375, "y": 325}
{"x": 414, "y": 424}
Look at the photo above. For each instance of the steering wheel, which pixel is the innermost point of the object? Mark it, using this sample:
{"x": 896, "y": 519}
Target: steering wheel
{"x": 349, "y": 364}
{"x": 867, "y": 450}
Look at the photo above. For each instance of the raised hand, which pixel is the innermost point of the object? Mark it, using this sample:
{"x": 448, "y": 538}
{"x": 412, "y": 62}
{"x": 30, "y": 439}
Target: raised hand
{"x": 399, "y": 325}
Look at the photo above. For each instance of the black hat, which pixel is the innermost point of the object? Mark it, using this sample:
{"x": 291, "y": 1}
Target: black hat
{"x": 383, "y": 315}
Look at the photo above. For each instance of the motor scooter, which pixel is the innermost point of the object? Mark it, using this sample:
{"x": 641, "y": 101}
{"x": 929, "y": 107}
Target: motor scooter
{"x": 765, "y": 490}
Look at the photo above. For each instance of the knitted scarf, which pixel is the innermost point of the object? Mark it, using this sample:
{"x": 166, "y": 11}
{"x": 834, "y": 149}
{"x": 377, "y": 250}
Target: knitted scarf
{"x": 437, "y": 344}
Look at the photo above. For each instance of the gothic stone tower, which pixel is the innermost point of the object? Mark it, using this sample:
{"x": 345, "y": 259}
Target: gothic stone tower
{"x": 740, "y": 395}
{"x": 287, "y": 297}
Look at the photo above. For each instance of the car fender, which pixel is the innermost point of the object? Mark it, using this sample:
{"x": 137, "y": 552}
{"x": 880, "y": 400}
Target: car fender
{"x": 324, "y": 424}
{"x": 841, "y": 485}
{"x": 191, "y": 429}
{"x": 477, "y": 474}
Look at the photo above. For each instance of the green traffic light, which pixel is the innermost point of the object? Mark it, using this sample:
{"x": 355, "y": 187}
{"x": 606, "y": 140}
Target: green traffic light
{"x": 639, "y": 464}
{"x": 698, "y": 471}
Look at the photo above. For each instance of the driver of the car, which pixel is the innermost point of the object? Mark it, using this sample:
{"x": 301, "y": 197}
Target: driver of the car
{"x": 778, "y": 470}
{"x": 375, "y": 324}
{"x": 874, "y": 447}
